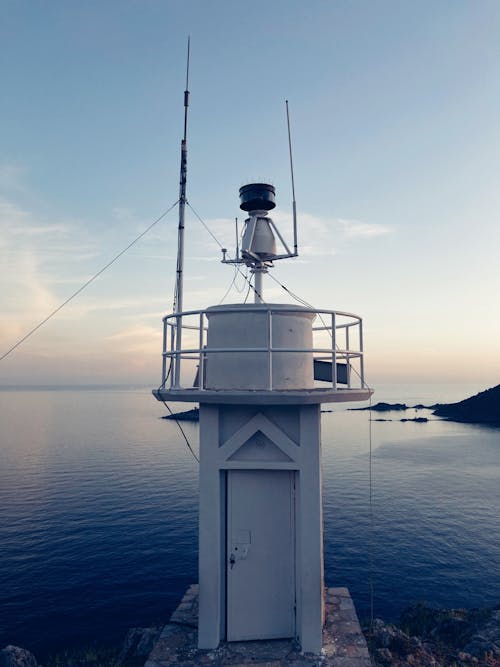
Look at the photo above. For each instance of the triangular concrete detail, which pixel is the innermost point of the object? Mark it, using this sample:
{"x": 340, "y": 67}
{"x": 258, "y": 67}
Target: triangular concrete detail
{"x": 260, "y": 448}
{"x": 260, "y": 423}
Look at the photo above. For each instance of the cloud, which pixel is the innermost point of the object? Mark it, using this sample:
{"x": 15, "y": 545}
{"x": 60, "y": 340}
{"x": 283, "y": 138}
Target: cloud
{"x": 39, "y": 230}
{"x": 12, "y": 218}
{"x": 123, "y": 214}
{"x": 42, "y": 258}
{"x": 317, "y": 236}
{"x": 136, "y": 339}
{"x": 357, "y": 229}
{"x": 326, "y": 236}
{"x": 29, "y": 249}
{"x": 18, "y": 227}
{"x": 105, "y": 305}
{"x": 26, "y": 297}
{"x": 156, "y": 315}
{"x": 12, "y": 177}
{"x": 134, "y": 332}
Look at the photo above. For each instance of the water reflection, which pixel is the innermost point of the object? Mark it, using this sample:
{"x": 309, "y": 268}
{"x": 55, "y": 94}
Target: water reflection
{"x": 98, "y": 513}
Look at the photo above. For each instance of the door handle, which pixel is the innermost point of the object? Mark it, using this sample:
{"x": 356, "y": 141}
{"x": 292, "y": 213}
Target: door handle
{"x": 232, "y": 560}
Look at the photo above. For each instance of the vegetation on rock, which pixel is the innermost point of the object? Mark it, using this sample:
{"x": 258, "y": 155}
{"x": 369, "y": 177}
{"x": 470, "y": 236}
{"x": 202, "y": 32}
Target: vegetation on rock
{"x": 426, "y": 637}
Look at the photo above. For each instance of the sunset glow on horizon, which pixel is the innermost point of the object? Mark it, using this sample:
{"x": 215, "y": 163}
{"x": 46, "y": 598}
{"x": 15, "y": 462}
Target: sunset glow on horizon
{"x": 394, "y": 110}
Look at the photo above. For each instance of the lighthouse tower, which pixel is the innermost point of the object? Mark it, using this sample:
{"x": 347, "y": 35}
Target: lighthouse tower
{"x": 260, "y": 372}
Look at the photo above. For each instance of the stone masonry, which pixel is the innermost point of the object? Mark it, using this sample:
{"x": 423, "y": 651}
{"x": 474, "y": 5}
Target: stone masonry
{"x": 343, "y": 642}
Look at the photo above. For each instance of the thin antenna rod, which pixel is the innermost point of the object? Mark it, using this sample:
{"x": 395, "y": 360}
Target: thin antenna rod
{"x": 294, "y": 205}
{"x": 186, "y": 92}
{"x": 178, "y": 300}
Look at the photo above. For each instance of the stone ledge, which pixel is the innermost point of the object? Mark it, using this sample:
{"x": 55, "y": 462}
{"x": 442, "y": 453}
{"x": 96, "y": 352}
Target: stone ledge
{"x": 344, "y": 644}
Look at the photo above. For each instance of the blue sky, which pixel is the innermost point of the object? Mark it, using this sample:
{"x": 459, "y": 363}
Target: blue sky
{"x": 395, "y": 109}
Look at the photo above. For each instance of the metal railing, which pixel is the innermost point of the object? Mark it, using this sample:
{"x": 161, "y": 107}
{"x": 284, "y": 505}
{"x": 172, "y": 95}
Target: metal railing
{"x": 337, "y": 340}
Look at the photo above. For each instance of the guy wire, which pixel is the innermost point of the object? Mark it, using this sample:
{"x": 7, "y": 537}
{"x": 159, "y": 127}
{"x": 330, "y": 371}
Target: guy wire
{"x": 370, "y": 468}
{"x": 220, "y": 246}
{"x": 372, "y": 522}
{"x": 230, "y": 285}
{"x": 182, "y": 431}
{"x": 87, "y": 283}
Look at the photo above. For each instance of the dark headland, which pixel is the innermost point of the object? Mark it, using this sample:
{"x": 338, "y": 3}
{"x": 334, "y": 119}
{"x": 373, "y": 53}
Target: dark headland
{"x": 483, "y": 408}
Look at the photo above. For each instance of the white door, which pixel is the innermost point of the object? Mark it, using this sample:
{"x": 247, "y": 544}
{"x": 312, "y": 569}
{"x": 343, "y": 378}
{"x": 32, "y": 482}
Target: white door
{"x": 260, "y": 554}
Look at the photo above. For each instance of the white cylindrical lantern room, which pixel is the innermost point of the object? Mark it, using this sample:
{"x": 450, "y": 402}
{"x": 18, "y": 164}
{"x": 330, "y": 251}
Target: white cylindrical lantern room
{"x": 260, "y": 340}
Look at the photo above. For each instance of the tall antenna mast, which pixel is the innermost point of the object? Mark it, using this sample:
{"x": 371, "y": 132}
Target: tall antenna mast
{"x": 178, "y": 298}
{"x": 258, "y": 249}
{"x": 294, "y": 205}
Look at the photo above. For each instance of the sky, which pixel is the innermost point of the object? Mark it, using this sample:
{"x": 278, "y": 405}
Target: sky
{"x": 395, "y": 111}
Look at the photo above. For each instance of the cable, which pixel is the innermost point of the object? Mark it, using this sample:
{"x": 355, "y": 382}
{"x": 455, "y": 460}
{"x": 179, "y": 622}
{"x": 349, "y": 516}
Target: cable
{"x": 90, "y": 280}
{"x": 370, "y": 466}
{"x": 182, "y": 431}
{"x": 243, "y": 285}
{"x": 308, "y": 305}
{"x": 205, "y": 225}
{"x": 372, "y": 522}
{"x": 250, "y": 286}
{"x": 248, "y": 292}
{"x": 292, "y": 294}
{"x": 221, "y": 247}
{"x": 230, "y": 285}
{"x": 172, "y": 414}
{"x": 162, "y": 386}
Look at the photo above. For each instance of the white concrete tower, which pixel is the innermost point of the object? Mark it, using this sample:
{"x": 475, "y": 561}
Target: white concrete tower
{"x": 263, "y": 372}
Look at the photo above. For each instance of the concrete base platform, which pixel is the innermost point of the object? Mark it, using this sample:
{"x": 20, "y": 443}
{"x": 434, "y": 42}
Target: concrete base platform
{"x": 344, "y": 644}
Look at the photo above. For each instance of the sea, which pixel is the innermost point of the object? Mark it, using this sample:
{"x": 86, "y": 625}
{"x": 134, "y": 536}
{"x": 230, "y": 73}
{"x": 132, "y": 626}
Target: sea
{"x": 98, "y": 511}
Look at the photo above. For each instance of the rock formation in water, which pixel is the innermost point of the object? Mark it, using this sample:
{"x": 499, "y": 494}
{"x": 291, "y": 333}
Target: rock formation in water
{"x": 134, "y": 651}
{"x": 384, "y": 407}
{"x": 483, "y": 408}
{"x": 137, "y": 645}
{"x": 192, "y": 415}
{"x": 424, "y": 637}
{"x": 14, "y": 656}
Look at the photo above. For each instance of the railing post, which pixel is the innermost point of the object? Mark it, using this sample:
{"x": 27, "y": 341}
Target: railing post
{"x": 201, "y": 361}
{"x": 348, "y": 359}
{"x": 269, "y": 347}
{"x": 178, "y": 351}
{"x": 163, "y": 352}
{"x": 173, "y": 360}
{"x": 334, "y": 353}
{"x": 362, "y": 357}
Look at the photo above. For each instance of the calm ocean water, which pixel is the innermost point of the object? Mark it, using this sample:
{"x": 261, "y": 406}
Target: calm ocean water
{"x": 98, "y": 512}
